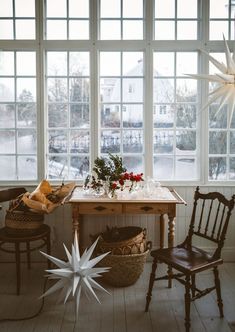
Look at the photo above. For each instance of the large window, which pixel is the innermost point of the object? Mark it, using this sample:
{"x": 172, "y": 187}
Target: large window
{"x": 82, "y": 78}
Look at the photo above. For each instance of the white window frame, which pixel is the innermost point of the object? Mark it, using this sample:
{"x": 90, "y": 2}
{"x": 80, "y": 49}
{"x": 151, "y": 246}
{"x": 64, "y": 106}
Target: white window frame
{"x": 148, "y": 45}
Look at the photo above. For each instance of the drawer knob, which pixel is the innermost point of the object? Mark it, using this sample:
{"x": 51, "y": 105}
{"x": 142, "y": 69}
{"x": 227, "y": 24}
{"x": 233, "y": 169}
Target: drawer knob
{"x": 100, "y": 208}
{"x": 146, "y": 208}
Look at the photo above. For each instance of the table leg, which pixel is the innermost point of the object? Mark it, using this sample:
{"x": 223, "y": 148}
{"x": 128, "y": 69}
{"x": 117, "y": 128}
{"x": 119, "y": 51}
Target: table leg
{"x": 77, "y": 225}
{"x": 162, "y": 230}
{"x": 171, "y": 238}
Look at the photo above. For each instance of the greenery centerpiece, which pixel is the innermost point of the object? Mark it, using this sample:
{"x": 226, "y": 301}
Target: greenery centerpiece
{"x": 110, "y": 174}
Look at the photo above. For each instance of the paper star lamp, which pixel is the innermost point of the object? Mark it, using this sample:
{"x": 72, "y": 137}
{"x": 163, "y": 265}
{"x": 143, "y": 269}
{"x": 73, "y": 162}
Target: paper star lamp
{"x": 76, "y": 275}
{"x": 226, "y": 79}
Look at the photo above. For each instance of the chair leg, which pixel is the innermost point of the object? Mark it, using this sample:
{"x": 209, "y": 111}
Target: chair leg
{"x": 17, "y": 256}
{"x": 193, "y": 277}
{"x": 187, "y": 303}
{"x": 151, "y": 282}
{"x": 218, "y": 291}
{"x": 28, "y": 255}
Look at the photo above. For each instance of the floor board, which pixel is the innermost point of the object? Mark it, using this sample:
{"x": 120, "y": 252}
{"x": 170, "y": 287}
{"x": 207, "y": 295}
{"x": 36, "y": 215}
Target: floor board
{"x": 120, "y": 311}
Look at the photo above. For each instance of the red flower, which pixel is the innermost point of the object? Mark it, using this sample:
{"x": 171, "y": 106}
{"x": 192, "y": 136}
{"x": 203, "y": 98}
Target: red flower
{"x": 114, "y": 185}
{"x": 121, "y": 181}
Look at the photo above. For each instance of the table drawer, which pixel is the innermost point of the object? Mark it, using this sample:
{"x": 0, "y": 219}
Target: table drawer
{"x": 100, "y": 208}
{"x": 148, "y": 208}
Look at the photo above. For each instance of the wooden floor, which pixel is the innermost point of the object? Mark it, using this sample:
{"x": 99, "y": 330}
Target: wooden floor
{"x": 121, "y": 311}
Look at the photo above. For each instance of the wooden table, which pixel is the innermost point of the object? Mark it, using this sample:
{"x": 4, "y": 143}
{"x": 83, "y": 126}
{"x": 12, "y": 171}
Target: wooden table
{"x": 163, "y": 202}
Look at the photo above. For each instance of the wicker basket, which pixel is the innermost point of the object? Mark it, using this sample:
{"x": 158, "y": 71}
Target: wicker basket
{"x": 19, "y": 221}
{"x": 133, "y": 241}
{"x": 125, "y": 269}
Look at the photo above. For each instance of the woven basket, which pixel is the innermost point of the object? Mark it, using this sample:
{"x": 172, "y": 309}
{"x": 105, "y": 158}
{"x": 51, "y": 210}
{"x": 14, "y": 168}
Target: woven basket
{"x": 134, "y": 243}
{"x": 19, "y": 221}
{"x": 125, "y": 269}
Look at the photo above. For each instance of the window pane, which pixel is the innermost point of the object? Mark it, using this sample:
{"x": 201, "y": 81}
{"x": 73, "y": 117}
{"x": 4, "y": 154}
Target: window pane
{"x": 217, "y": 142}
{"x": 187, "y": 30}
{"x": 7, "y": 90}
{"x": 78, "y": 8}
{"x": 132, "y": 116}
{"x": 217, "y": 168}
{"x": 26, "y": 89}
{"x": 217, "y": 120}
{"x": 57, "y": 167}
{"x": 26, "y": 115}
{"x": 164, "y": 30}
{"x": 79, "y": 141}
{"x": 186, "y": 90}
{"x": 7, "y": 141}
{"x": 56, "y": 29}
{"x": 8, "y": 168}
{"x": 185, "y": 168}
{"x": 57, "y": 89}
{"x": 27, "y": 166}
{"x": 79, "y": 167}
{"x": 6, "y": 29}
{"x": 164, "y": 9}
{"x": 57, "y": 141}
{"x": 110, "y": 63}
{"x": 219, "y": 9}
{"x": 164, "y": 90}
{"x": 25, "y": 29}
{"x": 56, "y": 63}
{"x": 79, "y": 89}
{"x": 79, "y": 115}
{"x": 78, "y": 29}
{"x": 163, "y": 168}
{"x": 133, "y": 163}
{"x": 164, "y": 64}
{"x": 232, "y": 142}
{"x": 232, "y": 168}
{"x": 56, "y": 8}
{"x": 110, "y": 141}
{"x": 79, "y": 63}
{"x": 57, "y": 115}
{"x": 132, "y": 29}
{"x": 6, "y": 9}
{"x": 110, "y": 30}
{"x": 7, "y": 116}
{"x": 132, "y": 141}
{"x": 26, "y": 63}
{"x": 187, "y": 8}
{"x": 110, "y": 116}
{"x": 132, "y": 90}
{"x": 163, "y": 141}
{"x": 186, "y": 116}
{"x": 133, "y": 8}
{"x": 110, "y": 8}
{"x": 27, "y": 141}
{"x": 186, "y": 62}
{"x": 24, "y": 8}
{"x": 216, "y": 28}
{"x": 110, "y": 90}
{"x": 163, "y": 116}
{"x": 185, "y": 142}
{"x": 6, "y": 63}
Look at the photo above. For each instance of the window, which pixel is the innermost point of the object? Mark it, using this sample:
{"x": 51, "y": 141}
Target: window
{"x": 67, "y": 19}
{"x": 17, "y": 19}
{"x": 175, "y": 121}
{"x": 18, "y": 134}
{"x": 121, "y": 19}
{"x": 68, "y": 105}
{"x": 81, "y": 78}
{"x": 122, "y": 127}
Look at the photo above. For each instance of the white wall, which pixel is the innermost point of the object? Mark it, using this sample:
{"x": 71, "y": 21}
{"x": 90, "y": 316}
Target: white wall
{"x": 61, "y": 224}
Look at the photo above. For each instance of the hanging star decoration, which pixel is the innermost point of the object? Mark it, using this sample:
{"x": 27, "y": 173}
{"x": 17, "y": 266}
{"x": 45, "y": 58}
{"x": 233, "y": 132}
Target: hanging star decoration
{"x": 76, "y": 275}
{"x": 226, "y": 80}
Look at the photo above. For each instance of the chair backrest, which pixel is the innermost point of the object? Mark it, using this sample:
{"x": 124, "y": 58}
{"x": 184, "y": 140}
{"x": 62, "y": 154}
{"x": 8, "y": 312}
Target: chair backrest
{"x": 210, "y": 217}
{"x": 11, "y": 193}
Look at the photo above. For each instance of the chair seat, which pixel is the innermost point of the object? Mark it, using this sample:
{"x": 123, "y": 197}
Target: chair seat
{"x": 185, "y": 260}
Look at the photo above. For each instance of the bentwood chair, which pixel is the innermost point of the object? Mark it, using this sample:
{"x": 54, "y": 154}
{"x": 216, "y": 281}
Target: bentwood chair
{"x": 210, "y": 223}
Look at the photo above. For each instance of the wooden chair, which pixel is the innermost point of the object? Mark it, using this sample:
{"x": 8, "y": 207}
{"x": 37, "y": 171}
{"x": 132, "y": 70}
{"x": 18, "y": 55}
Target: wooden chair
{"x": 210, "y": 223}
{"x": 41, "y": 235}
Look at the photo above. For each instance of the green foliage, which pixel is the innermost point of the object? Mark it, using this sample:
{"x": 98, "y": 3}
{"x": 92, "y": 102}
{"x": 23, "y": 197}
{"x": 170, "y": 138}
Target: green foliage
{"x": 111, "y": 168}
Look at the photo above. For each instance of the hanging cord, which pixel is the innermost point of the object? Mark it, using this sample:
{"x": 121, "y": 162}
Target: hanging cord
{"x": 32, "y": 316}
